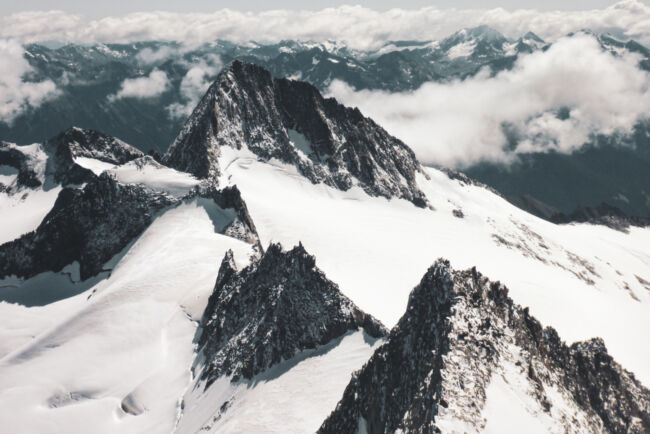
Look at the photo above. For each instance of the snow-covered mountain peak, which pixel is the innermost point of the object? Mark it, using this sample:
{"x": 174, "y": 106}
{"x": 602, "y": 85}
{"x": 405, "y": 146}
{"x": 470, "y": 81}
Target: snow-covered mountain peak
{"x": 530, "y": 36}
{"x": 480, "y": 43}
{"x": 482, "y": 32}
{"x": 291, "y": 121}
{"x": 462, "y": 348}
{"x": 279, "y": 305}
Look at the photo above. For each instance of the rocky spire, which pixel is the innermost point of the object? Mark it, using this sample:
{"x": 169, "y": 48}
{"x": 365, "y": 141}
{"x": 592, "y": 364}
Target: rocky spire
{"x": 291, "y": 121}
{"x": 461, "y": 332}
{"x": 276, "y": 307}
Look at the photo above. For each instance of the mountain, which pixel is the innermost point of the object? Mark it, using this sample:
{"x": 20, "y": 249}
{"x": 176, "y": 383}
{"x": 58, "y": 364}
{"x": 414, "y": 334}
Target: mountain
{"x": 96, "y": 194}
{"x": 290, "y": 121}
{"x": 465, "y": 358}
{"x": 85, "y": 225}
{"x": 202, "y": 320}
{"x": 283, "y": 305}
{"x": 89, "y": 76}
{"x": 279, "y": 309}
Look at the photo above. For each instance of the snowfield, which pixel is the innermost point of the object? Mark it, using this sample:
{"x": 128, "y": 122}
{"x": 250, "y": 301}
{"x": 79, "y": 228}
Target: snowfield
{"x": 91, "y": 362}
{"x": 581, "y": 279}
{"x": 116, "y": 355}
{"x": 292, "y": 397}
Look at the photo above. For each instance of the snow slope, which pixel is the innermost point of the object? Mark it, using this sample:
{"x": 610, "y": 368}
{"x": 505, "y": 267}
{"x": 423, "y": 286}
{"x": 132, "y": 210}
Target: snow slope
{"x": 123, "y": 347}
{"x": 292, "y": 397}
{"x": 583, "y": 280}
{"x": 23, "y": 211}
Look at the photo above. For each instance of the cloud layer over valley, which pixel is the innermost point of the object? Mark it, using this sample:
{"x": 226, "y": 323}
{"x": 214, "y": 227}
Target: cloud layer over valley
{"x": 551, "y": 100}
{"x": 356, "y": 26}
{"x": 16, "y": 94}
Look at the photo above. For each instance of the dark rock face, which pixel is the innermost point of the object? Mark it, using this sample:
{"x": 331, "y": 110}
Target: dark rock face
{"x": 603, "y": 214}
{"x": 76, "y": 142}
{"x": 459, "y": 331}
{"x": 241, "y": 226}
{"x": 88, "y": 225}
{"x": 11, "y": 156}
{"x": 278, "y": 306}
{"x": 291, "y": 121}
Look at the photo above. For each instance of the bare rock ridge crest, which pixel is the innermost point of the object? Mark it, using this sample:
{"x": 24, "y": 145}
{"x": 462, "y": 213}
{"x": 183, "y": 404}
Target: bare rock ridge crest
{"x": 95, "y": 216}
{"x": 279, "y": 305}
{"x": 460, "y": 331}
{"x": 292, "y": 122}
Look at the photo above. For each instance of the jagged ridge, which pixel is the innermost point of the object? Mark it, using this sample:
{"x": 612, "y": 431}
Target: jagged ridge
{"x": 88, "y": 225}
{"x": 458, "y": 332}
{"x": 269, "y": 311}
{"x": 77, "y": 142}
{"x": 246, "y": 106}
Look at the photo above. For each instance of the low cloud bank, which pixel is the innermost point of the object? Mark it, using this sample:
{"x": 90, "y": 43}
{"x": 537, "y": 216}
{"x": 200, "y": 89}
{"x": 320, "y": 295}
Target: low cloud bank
{"x": 150, "y": 86}
{"x": 17, "y": 95}
{"x": 195, "y": 83}
{"x": 358, "y": 27}
{"x": 553, "y": 100}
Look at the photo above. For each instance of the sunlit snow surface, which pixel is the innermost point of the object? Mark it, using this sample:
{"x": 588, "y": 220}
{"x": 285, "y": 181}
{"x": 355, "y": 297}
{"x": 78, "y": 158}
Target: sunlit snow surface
{"x": 293, "y": 397}
{"x": 117, "y": 357}
{"x": 580, "y": 279}
{"x": 73, "y": 366}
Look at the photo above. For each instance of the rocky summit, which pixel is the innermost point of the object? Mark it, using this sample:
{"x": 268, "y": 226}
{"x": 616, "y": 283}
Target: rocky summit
{"x": 291, "y": 121}
{"x": 460, "y": 334}
{"x": 276, "y": 307}
{"x": 81, "y": 143}
{"x": 87, "y": 225}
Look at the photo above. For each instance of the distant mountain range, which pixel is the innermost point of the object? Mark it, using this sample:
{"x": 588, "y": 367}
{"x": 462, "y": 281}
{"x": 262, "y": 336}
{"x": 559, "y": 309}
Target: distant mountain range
{"x": 90, "y": 76}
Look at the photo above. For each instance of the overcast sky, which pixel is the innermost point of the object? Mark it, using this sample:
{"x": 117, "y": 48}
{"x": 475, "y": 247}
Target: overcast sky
{"x": 96, "y": 9}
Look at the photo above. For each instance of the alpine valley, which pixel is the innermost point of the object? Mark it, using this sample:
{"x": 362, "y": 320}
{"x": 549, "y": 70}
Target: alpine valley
{"x": 288, "y": 266}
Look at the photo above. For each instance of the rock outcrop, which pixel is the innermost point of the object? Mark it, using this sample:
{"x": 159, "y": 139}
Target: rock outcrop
{"x": 279, "y": 305}
{"x": 88, "y": 225}
{"x": 460, "y": 333}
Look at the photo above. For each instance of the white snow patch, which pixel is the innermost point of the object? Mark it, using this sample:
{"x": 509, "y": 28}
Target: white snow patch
{"x": 300, "y": 142}
{"x": 22, "y": 211}
{"x": 96, "y": 166}
{"x": 463, "y": 49}
{"x": 145, "y": 171}
{"x": 508, "y": 408}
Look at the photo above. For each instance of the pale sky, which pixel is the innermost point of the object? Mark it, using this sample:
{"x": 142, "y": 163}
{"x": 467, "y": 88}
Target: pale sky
{"x": 96, "y": 9}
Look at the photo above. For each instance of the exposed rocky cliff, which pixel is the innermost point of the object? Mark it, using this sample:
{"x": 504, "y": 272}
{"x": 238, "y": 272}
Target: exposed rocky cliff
{"x": 87, "y": 225}
{"x": 24, "y": 162}
{"x": 276, "y": 307}
{"x": 77, "y": 142}
{"x": 290, "y": 121}
{"x": 460, "y": 333}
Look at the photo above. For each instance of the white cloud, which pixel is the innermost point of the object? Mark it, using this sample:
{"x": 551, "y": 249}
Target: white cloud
{"x": 17, "y": 95}
{"x": 143, "y": 87}
{"x": 195, "y": 83}
{"x": 462, "y": 122}
{"x": 356, "y": 26}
